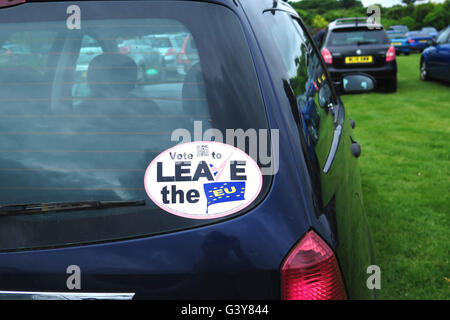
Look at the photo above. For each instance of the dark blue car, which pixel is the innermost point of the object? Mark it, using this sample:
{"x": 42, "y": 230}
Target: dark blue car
{"x": 236, "y": 180}
{"x": 435, "y": 60}
{"x": 419, "y": 41}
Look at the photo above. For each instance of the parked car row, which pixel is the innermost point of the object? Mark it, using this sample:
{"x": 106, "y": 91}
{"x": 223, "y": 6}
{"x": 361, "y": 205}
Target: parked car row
{"x": 351, "y": 46}
{"x": 406, "y": 41}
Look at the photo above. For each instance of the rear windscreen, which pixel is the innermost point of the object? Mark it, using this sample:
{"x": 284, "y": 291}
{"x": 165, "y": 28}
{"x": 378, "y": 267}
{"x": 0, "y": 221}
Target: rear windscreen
{"x": 88, "y": 101}
{"x": 397, "y": 36}
{"x": 355, "y": 36}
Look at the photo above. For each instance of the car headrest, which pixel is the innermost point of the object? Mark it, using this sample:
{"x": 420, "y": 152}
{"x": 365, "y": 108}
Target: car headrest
{"x": 194, "y": 92}
{"x": 112, "y": 74}
{"x": 18, "y": 81}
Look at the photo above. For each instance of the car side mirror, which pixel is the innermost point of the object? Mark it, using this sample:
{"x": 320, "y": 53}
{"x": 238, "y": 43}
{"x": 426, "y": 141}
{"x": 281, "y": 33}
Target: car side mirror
{"x": 358, "y": 83}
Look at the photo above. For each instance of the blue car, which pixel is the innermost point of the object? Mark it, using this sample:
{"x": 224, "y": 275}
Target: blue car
{"x": 236, "y": 180}
{"x": 419, "y": 41}
{"x": 435, "y": 60}
{"x": 432, "y": 32}
{"x": 400, "y": 42}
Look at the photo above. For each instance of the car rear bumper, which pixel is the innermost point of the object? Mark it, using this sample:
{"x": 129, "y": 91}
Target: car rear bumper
{"x": 388, "y": 71}
{"x": 402, "y": 48}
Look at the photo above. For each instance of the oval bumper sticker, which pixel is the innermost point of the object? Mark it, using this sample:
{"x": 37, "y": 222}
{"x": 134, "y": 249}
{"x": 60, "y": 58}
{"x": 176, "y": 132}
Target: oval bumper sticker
{"x": 203, "y": 180}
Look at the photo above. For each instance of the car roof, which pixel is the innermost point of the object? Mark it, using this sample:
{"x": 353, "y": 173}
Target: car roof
{"x": 352, "y": 23}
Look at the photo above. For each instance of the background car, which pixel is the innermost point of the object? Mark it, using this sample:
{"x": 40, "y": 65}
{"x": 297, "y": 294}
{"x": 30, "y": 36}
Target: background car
{"x": 432, "y": 32}
{"x": 399, "y": 41}
{"x": 151, "y": 65}
{"x": 435, "y": 60}
{"x": 351, "y": 46}
{"x": 168, "y": 46}
{"x": 399, "y": 28}
{"x": 74, "y": 190}
{"x": 418, "y": 41}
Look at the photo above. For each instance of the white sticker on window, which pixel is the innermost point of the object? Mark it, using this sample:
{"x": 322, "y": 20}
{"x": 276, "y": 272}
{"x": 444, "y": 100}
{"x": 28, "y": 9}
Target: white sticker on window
{"x": 203, "y": 180}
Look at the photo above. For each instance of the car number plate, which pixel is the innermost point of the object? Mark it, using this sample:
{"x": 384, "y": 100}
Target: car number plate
{"x": 423, "y": 41}
{"x": 396, "y": 43}
{"x": 361, "y": 59}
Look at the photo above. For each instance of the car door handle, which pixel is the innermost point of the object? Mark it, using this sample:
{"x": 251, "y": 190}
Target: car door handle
{"x": 355, "y": 148}
{"x": 29, "y": 295}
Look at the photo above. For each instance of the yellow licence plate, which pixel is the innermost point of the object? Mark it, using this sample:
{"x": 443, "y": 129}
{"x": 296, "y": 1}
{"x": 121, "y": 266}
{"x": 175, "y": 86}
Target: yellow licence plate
{"x": 396, "y": 43}
{"x": 423, "y": 41}
{"x": 362, "y": 59}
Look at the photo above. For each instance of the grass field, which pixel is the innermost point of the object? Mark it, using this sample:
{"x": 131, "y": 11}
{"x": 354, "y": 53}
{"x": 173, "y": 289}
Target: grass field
{"x": 405, "y": 169}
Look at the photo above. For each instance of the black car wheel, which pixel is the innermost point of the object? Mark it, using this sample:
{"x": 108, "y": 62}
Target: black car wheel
{"x": 423, "y": 71}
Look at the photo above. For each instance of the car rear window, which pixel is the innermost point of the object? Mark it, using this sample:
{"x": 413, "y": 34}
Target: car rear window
{"x": 397, "y": 36}
{"x": 84, "y": 110}
{"x": 353, "y": 36}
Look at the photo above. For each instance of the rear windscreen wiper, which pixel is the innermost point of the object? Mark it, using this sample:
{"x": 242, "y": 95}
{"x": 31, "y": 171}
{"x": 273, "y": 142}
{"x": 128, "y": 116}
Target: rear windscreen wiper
{"x": 363, "y": 42}
{"x": 16, "y": 209}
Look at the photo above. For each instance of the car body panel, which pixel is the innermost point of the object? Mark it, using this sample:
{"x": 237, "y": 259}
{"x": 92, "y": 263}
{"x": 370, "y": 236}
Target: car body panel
{"x": 437, "y": 58}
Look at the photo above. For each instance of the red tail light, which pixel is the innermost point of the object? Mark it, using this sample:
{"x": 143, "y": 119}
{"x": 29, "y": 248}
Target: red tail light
{"x": 411, "y": 41}
{"x": 311, "y": 272}
{"x": 390, "y": 55}
{"x": 171, "y": 52}
{"x": 125, "y": 50}
{"x": 182, "y": 58}
{"x": 326, "y": 54}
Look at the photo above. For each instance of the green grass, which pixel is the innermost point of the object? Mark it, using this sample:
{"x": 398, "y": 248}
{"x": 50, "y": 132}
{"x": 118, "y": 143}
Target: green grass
{"x": 405, "y": 140}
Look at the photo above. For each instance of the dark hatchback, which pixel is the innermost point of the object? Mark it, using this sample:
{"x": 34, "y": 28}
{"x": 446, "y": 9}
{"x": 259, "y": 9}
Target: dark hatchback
{"x": 75, "y": 219}
{"x": 352, "y": 46}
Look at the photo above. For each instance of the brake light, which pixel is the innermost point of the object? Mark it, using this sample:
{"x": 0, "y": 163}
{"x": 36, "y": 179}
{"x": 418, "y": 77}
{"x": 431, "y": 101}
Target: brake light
{"x": 125, "y": 50}
{"x": 10, "y": 3}
{"x": 171, "y": 52}
{"x": 326, "y": 54}
{"x": 311, "y": 272}
{"x": 182, "y": 58}
{"x": 411, "y": 41}
{"x": 390, "y": 55}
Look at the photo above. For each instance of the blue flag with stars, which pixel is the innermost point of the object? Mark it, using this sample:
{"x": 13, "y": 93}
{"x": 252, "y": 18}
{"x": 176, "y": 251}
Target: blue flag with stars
{"x": 219, "y": 192}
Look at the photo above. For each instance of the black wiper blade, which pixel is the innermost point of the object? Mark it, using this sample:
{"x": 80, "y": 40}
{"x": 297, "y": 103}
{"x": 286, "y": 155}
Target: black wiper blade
{"x": 363, "y": 42}
{"x": 16, "y": 209}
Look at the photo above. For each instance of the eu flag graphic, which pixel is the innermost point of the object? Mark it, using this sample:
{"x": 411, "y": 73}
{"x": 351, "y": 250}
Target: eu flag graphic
{"x": 219, "y": 192}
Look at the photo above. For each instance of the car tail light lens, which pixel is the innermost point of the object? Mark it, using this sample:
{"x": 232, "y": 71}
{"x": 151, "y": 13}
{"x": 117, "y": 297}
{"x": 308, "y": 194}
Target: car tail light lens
{"x": 390, "y": 55}
{"x": 10, "y": 3}
{"x": 411, "y": 41}
{"x": 311, "y": 272}
{"x": 326, "y": 54}
{"x": 171, "y": 52}
{"x": 125, "y": 50}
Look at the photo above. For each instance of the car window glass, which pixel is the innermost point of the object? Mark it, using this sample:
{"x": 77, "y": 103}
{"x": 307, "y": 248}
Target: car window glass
{"x": 353, "y": 36}
{"x": 307, "y": 79}
{"x": 84, "y": 115}
{"x": 444, "y": 37}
